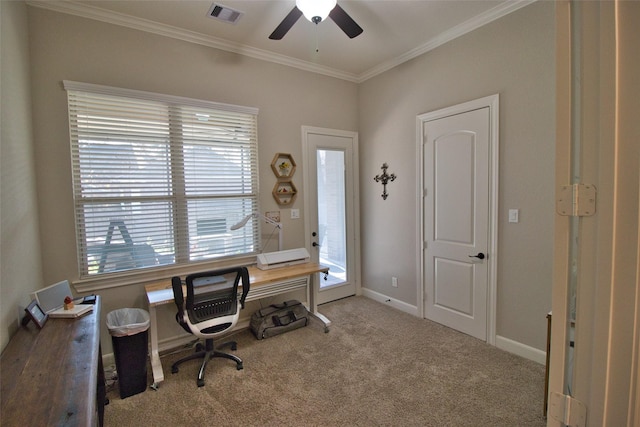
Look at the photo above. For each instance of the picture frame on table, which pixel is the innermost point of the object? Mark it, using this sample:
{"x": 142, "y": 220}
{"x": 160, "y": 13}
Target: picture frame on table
{"x": 36, "y": 314}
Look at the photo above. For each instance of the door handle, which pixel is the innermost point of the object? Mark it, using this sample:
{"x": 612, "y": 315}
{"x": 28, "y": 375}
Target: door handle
{"x": 479, "y": 256}
{"x": 314, "y": 244}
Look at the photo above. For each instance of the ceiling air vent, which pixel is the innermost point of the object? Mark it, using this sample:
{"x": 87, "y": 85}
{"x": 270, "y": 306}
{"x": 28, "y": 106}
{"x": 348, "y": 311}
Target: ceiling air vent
{"x": 224, "y": 13}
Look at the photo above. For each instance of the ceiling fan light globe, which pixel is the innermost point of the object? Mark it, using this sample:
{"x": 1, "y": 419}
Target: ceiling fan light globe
{"x": 314, "y": 9}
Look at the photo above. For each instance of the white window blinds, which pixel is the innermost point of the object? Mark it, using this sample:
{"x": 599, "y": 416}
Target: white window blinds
{"x": 159, "y": 180}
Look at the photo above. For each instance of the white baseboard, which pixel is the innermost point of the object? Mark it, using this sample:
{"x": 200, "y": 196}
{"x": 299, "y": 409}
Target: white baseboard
{"x": 164, "y": 345}
{"x": 108, "y": 360}
{"x": 522, "y": 350}
{"x": 175, "y": 342}
{"x": 502, "y": 343}
{"x": 400, "y": 305}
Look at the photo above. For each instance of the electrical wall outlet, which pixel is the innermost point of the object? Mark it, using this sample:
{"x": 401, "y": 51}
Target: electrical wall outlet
{"x": 394, "y": 282}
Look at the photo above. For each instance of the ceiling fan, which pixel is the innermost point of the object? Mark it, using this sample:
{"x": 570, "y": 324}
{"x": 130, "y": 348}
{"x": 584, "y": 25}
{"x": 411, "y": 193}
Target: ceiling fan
{"x": 316, "y": 11}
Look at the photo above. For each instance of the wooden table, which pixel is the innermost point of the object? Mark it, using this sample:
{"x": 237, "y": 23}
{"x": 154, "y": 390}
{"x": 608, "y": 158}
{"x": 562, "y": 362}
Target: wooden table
{"x": 54, "y": 376}
{"x": 264, "y": 283}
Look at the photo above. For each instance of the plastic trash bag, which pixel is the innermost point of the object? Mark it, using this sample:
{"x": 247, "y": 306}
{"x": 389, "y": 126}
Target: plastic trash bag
{"x": 127, "y": 321}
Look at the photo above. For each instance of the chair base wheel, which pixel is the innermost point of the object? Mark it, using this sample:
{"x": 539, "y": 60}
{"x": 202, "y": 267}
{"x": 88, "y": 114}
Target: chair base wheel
{"x": 206, "y": 355}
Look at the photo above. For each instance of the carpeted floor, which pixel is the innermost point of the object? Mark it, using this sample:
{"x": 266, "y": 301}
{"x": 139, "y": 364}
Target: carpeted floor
{"x": 376, "y": 367}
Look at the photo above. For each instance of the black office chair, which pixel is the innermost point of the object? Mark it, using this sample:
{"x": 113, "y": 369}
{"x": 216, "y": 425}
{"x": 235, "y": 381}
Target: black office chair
{"x": 212, "y": 308}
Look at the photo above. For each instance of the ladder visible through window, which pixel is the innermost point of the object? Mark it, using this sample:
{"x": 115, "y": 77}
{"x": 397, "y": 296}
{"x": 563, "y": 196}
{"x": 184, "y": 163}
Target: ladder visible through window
{"x": 124, "y": 256}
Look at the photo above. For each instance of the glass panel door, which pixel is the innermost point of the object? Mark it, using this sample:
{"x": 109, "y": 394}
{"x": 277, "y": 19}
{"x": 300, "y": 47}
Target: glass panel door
{"x": 332, "y": 215}
{"x": 331, "y": 208}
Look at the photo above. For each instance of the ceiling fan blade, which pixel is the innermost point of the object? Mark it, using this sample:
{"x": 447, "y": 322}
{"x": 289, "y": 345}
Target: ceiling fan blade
{"x": 286, "y": 24}
{"x": 344, "y": 21}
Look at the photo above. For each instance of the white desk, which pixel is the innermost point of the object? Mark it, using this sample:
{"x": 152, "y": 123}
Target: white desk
{"x": 264, "y": 283}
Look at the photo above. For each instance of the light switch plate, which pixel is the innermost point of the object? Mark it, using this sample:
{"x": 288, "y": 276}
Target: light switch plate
{"x": 295, "y": 213}
{"x": 514, "y": 215}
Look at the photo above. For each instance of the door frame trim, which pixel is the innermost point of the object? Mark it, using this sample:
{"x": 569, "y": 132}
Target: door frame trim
{"x": 493, "y": 103}
{"x": 306, "y": 130}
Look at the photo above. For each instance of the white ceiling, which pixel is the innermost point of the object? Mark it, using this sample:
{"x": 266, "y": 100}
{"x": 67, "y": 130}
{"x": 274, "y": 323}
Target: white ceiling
{"x": 394, "y": 30}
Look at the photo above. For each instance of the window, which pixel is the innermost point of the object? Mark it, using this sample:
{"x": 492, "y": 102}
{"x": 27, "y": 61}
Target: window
{"x": 158, "y": 180}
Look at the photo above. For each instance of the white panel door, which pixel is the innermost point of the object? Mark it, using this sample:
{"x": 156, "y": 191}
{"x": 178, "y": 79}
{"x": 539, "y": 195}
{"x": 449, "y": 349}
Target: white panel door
{"x": 456, "y": 220}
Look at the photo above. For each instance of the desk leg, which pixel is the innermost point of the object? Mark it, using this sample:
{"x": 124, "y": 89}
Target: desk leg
{"x": 101, "y": 396}
{"x": 546, "y": 367}
{"x": 156, "y": 365}
{"x": 314, "y": 286}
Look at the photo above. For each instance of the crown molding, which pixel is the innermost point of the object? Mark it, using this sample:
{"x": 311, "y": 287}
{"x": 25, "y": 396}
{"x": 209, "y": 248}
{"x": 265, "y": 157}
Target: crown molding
{"x": 91, "y": 12}
{"x": 451, "y": 34}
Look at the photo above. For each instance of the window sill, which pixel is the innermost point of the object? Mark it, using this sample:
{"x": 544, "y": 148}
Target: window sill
{"x": 116, "y": 280}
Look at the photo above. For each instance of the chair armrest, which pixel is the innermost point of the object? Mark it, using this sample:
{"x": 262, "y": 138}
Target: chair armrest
{"x": 178, "y": 297}
{"x": 244, "y": 274}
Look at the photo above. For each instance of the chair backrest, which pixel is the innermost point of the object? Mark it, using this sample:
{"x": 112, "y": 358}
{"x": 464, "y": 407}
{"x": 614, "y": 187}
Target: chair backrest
{"x": 212, "y": 305}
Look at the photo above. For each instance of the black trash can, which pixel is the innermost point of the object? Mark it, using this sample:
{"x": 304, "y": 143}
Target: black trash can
{"x": 129, "y": 330}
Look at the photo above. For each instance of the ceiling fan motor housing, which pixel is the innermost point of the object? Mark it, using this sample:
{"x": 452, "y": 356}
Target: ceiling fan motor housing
{"x": 316, "y": 10}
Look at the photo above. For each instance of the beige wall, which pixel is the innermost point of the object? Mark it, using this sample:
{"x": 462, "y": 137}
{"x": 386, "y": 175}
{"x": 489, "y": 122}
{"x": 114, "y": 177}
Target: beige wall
{"x": 65, "y": 47}
{"x": 513, "y": 57}
{"x": 20, "y": 271}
